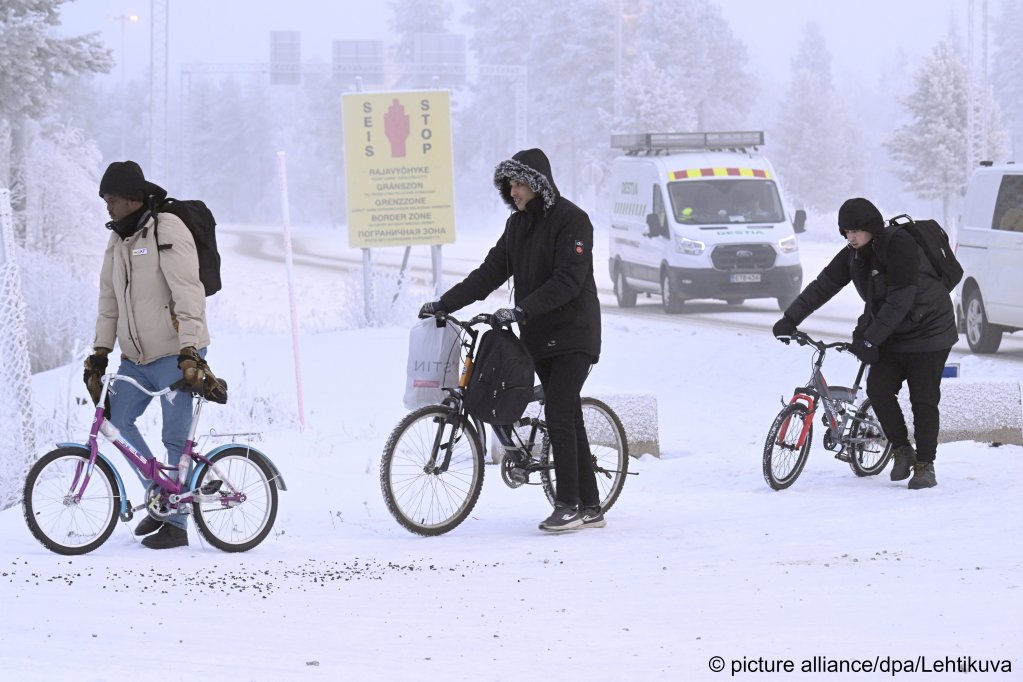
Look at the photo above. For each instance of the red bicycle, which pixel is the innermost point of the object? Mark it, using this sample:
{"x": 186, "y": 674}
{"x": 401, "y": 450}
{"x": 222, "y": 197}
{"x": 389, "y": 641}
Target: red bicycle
{"x": 852, "y": 432}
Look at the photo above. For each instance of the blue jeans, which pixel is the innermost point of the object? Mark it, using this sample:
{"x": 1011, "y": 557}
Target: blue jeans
{"x": 128, "y": 404}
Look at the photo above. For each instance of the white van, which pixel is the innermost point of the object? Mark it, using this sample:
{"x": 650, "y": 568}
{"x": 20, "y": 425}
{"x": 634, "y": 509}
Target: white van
{"x": 700, "y": 215}
{"x": 989, "y": 299}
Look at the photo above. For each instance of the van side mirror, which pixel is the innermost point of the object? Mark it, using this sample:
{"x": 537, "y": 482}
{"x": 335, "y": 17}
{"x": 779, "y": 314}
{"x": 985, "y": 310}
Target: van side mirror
{"x": 655, "y": 228}
{"x": 799, "y": 222}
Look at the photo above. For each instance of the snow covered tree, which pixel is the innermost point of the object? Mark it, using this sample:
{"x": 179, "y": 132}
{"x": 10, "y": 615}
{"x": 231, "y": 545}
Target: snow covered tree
{"x": 932, "y": 147}
{"x": 409, "y": 17}
{"x": 1007, "y": 70}
{"x": 33, "y": 63}
{"x": 704, "y": 61}
{"x": 816, "y": 141}
{"x": 651, "y": 100}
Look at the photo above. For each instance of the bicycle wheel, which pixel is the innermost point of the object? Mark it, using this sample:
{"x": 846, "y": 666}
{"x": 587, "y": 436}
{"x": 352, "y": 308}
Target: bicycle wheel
{"x": 54, "y": 518}
{"x": 784, "y": 457}
{"x": 609, "y": 448}
{"x": 234, "y": 526}
{"x": 420, "y": 496}
{"x": 869, "y": 457}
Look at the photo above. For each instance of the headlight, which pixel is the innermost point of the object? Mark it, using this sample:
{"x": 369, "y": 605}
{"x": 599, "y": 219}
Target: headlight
{"x": 688, "y": 246}
{"x": 788, "y": 245}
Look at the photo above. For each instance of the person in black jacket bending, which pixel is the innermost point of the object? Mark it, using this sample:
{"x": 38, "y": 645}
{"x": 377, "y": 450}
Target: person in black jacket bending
{"x": 547, "y": 248}
{"x": 905, "y": 333}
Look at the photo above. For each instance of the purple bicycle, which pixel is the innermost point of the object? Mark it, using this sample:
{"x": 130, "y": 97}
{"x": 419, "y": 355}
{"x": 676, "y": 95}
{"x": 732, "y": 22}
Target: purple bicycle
{"x": 73, "y": 495}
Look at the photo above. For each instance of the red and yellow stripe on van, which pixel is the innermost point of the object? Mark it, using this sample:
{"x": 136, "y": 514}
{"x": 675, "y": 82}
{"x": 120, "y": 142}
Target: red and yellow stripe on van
{"x": 719, "y": 173}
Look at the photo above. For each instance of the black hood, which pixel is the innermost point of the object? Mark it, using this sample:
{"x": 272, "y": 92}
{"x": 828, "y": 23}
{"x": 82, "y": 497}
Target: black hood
{"x": 531, "y": 167}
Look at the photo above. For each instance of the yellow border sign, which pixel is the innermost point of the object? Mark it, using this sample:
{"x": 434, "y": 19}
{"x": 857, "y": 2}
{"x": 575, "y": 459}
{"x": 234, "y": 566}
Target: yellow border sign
{"x": 398, "y": 168}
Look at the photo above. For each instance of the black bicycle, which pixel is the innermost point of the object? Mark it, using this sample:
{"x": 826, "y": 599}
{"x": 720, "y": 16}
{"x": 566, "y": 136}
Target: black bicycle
{"x": 852, "y": 432}
{"x": 431, "y": 472}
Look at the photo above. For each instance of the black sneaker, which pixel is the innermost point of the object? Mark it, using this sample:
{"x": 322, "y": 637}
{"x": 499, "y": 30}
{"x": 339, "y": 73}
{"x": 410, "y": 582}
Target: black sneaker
{"x": 148, "y": 525}
{"x": 564, "y": 517}
{"x": 593, "y": 518}
{"x": 169, "y": 536}
{"x": 923, "y": 476}
{"x": 905, "y": 458}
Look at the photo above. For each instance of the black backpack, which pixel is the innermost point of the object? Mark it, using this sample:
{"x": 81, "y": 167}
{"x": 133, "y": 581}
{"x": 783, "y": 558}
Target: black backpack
{"x": 200, "y": 222}
{"x": 502, "y": 379}
{"x": 934, "y": 241}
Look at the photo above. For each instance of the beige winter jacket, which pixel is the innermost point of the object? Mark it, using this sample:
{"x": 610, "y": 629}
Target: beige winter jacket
{"x": 152, "y": 302}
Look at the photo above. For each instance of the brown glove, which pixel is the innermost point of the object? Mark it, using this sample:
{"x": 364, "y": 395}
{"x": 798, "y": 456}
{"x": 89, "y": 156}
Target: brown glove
{"x": 198, "y": 377}
{"x": 95, "y": 366}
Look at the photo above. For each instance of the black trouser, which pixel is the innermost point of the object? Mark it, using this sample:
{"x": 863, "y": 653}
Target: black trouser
{"x": 923, "y": 373}
{"x": 562, "y": 377}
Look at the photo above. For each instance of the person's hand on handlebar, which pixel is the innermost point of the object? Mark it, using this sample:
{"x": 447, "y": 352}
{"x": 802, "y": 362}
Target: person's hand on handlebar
{"x": 432, "y": 308}
{"x": 505, "y": 316}
{"x": 864, "y": 351}
{"x": 784, "y": 329}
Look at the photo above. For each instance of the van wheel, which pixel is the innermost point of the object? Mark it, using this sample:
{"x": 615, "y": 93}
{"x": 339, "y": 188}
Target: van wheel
{"x": 735, "y": 301}
{"x": 625, "y": 294}
{"x": 669, "y": 295}
{"x": 982, "y": 336}
{"x": 785, "y": 301}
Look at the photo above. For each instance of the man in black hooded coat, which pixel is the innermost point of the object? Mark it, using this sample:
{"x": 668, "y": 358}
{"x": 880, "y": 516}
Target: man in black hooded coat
{"x": 905, "y": 332}
{"x": 547, "y": 248}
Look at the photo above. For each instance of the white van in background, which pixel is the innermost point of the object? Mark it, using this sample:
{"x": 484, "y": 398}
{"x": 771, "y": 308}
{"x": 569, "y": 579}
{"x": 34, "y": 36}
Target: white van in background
{"x": 700, "y": 215}
{"x": 989, "y": 245}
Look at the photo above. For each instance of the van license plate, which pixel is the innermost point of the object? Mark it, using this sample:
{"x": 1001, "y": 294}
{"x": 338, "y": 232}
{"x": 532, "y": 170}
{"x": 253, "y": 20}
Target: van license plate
{"x": 744, "y": 278}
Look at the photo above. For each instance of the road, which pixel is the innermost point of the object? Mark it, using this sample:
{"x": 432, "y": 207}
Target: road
{"x": 314, "y": 254}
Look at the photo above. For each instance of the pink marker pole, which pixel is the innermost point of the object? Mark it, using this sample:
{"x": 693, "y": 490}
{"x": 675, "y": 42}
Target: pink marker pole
{"x": 290, "y": 269}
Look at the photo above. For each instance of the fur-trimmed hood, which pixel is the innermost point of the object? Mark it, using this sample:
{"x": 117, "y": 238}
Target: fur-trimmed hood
{"x": 531, "y": 167}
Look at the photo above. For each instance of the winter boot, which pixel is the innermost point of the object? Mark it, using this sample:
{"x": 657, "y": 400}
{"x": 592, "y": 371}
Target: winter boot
{"x": 905, "y": 458}
{"x": 148, "y": 525}
{"x": 169, "y": 536}
{"x": 923, "y": 476}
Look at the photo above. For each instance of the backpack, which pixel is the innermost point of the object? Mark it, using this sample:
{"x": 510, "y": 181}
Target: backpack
{"x": 200, "y": 222}
{"x": 502, "y": 379}
{"x": 934, "y": 241}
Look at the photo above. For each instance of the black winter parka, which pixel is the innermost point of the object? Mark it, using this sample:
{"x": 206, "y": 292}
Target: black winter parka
{"x": 548, "y": 251}
{"x": 906, "y": 307}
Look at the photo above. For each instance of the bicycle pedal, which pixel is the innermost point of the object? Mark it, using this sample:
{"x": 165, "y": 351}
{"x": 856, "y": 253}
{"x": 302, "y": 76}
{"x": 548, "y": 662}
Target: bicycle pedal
{"x": 211, "y": 488}
{"x": 842, "y": 457}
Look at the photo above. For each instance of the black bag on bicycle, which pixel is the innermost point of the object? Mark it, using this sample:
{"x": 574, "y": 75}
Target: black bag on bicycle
{"x": 502, "y": 379}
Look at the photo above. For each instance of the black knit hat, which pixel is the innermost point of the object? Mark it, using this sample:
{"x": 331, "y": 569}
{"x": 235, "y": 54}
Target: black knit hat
{"x": 125, "y": 179}
{"x": 859, "y": 214}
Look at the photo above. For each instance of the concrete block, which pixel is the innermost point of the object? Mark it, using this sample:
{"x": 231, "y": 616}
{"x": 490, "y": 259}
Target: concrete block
{"x": 982, "y": 410}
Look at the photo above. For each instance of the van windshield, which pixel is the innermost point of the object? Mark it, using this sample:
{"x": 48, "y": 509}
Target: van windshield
{"x": 725, "y": 200}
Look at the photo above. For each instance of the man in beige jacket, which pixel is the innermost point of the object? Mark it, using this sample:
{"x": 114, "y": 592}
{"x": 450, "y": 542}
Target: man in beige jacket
{"x": 152, "y": 302}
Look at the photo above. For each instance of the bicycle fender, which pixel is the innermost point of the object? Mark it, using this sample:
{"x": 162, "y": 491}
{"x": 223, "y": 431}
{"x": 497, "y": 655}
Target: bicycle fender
{"x": 117, "y": 474}
{"x": 256, "y": 454}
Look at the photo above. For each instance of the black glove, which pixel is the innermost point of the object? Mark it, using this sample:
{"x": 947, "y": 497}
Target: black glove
{"x": 784, "y": 328}
{"x": 198, "y": 378}
{"x": 504, "y": 316}
{"x": 432, "y": 308}
{"x": 864, "y": 351}
{"x": 95, "y": 367}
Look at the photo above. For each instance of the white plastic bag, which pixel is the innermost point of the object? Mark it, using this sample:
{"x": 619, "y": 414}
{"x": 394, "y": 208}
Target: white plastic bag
{"x": 433, "y": 362}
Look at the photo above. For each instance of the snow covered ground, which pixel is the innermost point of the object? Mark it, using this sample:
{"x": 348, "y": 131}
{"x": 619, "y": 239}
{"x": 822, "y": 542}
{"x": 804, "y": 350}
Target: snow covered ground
{"x": 699, "y": 559}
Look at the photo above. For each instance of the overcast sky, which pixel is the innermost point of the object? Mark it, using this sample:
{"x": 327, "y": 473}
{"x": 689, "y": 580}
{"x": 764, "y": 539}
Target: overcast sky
{"x": 860, "y": 35}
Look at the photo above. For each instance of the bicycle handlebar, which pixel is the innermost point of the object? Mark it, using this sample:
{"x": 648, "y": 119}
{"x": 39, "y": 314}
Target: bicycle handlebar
{"x": 804, "y": 339}
{"x": 481, "y": 318}
{"x": 113, "y": 377}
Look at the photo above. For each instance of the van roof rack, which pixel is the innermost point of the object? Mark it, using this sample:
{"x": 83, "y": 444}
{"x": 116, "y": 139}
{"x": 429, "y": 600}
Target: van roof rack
{"x": 653, "y": 143}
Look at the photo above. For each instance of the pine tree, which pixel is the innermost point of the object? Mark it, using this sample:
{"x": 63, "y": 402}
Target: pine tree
{"x": 1007, "y": 70}
{"x": 932, "y": 148}
{"x": 33, "y": 64}
{"x": 816, "y": 140}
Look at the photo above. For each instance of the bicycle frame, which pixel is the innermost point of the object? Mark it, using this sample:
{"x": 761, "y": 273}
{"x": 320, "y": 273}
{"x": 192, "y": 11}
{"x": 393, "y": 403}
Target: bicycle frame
{"x": 835, "y": 399}
{"x": 178, "y": 491}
